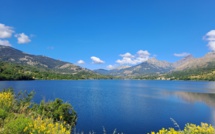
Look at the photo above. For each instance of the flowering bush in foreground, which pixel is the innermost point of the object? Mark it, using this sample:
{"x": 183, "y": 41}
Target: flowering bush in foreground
{"x": 204, "y": 128}
{"x": 18, "y": 115}
{"x": 6, "y": 100}
{"x": 46, "y": 126}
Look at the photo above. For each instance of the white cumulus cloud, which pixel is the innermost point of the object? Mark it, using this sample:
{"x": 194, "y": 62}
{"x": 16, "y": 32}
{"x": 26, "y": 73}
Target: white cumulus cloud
{"x": 81, "y": 62}
{"x": 210, "y": 37}
{"x": 128, "y": 55}
{"x": 22, "y": 38}
{"x": 129, "y": 59}
{"x": 5, "y": 31}
{"x": 97, "y": 60}
{"x": 5, "y": 43}
{"x": 110, "y": 67}
{"x": 142, "y": 56}
{"x": 184, "y": 54}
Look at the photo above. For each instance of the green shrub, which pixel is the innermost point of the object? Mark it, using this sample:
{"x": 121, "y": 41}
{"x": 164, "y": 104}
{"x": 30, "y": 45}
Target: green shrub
{"x": 16, "y": 125}
{"x": 57, "y": 110}
{"x": 3, "y": 114}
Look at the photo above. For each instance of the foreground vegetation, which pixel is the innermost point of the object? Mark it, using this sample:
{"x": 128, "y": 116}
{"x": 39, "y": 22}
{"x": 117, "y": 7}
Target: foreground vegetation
{"x": 204, "y": 128}
{"x": 12, "y": 71}
{"x": 18, "y": 115}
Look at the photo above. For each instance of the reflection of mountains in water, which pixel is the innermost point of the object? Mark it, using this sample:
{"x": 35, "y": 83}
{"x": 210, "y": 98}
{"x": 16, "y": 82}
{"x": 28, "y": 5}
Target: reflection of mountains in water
{"x": 208, "y": 98}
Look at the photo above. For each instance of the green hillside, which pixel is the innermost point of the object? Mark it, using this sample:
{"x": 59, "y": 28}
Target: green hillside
{"x": 201, "y": 73}
{"x": 13, "y": 71}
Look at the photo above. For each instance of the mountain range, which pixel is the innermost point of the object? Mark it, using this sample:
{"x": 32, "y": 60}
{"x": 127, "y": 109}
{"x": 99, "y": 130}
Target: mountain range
{"x": 150, "y": 67}
{"x": 155, "y": 67}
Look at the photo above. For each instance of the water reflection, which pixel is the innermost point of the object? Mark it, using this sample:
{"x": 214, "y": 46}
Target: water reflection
{"x": 206, "y": 98}
{"x": 211, "y": 87}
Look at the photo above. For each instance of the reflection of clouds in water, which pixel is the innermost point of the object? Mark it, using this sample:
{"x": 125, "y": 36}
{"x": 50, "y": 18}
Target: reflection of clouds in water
{"x": 152, "y": 95}
{"x": 206, "y": 98}
{"x": 213, "y": 115}
{"x": 211, "y": 87}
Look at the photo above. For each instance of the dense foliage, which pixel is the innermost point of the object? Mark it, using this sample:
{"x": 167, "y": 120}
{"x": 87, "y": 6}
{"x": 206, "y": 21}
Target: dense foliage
{"x": 12, "y": 71}
{"x": 9, "y": 71}
{"x": 18, "y": 115}
{"x": 57, "y": 110}
{"x": 147, "y": 77}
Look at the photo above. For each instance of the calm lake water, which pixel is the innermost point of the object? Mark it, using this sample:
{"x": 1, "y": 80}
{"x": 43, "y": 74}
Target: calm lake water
{"x": 130, "y": 106}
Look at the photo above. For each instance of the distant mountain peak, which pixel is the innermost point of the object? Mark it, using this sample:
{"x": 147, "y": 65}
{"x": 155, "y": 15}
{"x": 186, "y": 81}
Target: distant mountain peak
{"x": 158, "y": 63}
{"x": 190, "y": 56}
{"x": 210, "y": 54}
{"x": 121, "y": 67}
{"x": 152, "y": 59}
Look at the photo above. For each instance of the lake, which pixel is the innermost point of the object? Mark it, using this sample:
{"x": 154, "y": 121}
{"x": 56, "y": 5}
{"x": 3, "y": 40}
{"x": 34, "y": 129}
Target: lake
{"x": 130, "y": 106}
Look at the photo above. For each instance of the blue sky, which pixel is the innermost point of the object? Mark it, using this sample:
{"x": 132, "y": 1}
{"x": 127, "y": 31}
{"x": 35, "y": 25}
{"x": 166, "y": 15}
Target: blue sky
{"x": 110, "y": 33}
